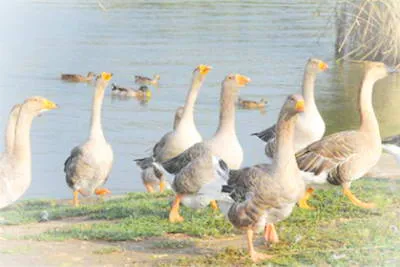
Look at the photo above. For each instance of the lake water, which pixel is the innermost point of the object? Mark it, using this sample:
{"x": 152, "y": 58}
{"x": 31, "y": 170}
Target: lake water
{"x": 269, "y": 41}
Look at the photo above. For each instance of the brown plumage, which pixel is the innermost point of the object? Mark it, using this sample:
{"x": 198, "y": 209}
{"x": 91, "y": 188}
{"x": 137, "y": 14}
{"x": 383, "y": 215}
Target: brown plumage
{"x": 77, "y": 78}
{"x": 265, "y": 194}
{"x": 343, "y": 157}
{"x": 251, "y": 104}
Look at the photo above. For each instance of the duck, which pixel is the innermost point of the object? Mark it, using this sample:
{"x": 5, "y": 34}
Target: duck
{"x": 89, "y": 164}
{"x": 77, "y": 78}
{"x": 264, "y": 194}
{"x": 391, "y": 145}
{"x": 142, "y": 80}
{"x": 310, "y": 125}
{"x": 185, "y": 134}
{"x": 251, "y": 104}
{"x": 151, "y": 175}
{"x": 200, "y": 164}
{"x": 16, "y": 162}
{"x": 142, "y": 92}
{"x": 343, "y": 157}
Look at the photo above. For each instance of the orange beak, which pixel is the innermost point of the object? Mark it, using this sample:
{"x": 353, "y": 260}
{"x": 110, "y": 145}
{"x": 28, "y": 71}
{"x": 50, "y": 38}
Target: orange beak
{"x": 106, "y": 76}
{"x": 323, "y": 66}
{"x": 300, "y": 105}
{"x": 242, "y": 80}
{"x": 204, "y": 69}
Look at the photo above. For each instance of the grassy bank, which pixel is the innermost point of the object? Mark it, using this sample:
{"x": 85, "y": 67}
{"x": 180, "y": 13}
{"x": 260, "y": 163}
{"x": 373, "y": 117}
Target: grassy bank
{"x": 337, "y": 233}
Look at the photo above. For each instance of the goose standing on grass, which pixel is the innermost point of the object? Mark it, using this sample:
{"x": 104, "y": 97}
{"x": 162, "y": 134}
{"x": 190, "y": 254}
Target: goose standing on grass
{"x": 141, "y": 93}
{"x": 89, "y": 165}
{"x": 201, "y": 164}
{"x": 141, "y": 80}
{"x": 77, "y": 78}
{"x": 265, "y": 194}
{"x": 186, "y": 134}
{"x": 310, "y": 126}
{"x": 151, "y": 174}
{"x": 343, "y": 157}
{"x": 391, "y": 145}
{"x": 15, "y": 163}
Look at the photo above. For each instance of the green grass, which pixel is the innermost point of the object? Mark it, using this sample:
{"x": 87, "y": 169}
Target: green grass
{"x": 337, "y": 233}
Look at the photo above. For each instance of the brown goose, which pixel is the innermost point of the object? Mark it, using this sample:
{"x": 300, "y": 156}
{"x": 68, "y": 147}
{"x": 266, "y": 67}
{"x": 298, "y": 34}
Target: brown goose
{"x": 77, "y": 78}
{"x": 343, "y": 157}
{"x": 265, "y": 194}
{"x": 200, "y": 165}
{"x": 151, "y": 174}
{"x": 310, "y": 126}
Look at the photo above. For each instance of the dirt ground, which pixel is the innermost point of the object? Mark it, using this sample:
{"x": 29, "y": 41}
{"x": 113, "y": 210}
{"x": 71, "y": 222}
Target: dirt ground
{"x": 16, "y": 252}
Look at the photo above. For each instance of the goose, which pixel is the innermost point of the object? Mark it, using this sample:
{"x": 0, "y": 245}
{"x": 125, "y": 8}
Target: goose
{"x": 89, "y": 164}
{"x": 141, "y": 80}
{"x": 343, "y": 157}
{"x": 186, "y": 134}
{"x": 151, "y": 175}
{"x": 251, "y": 104}
{"x": 391, "y": 145}
{"x": 310, "y": 126}
{"x": 200, "y": 164}
{"x": 77, "y": 78}
{"x": 264, "y": 194}
{"x": 142, "y": 92}
{"x": 15, "y": 163}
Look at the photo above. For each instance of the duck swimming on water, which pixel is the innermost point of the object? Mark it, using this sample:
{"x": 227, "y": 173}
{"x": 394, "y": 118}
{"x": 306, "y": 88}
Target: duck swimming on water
{"x": 251, "y": 104}
{"x": 77, "y": 78}
{"x": 142, "y": 92}
{"x": 141, "y": 80}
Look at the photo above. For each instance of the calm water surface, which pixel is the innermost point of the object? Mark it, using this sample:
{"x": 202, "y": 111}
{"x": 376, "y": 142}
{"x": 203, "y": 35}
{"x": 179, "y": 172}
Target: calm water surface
{"x": 269, "y": 41}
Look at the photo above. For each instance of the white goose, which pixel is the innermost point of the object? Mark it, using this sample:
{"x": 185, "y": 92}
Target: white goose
{"x": 15, "y": 163}
{"x": 200, "y": 165}
{"x": 310, "y": 126}
{"x": 186, "y": 134}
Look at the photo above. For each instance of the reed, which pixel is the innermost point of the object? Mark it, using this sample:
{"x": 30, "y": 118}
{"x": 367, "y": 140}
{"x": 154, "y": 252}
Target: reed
{"x": 368, "y": 30}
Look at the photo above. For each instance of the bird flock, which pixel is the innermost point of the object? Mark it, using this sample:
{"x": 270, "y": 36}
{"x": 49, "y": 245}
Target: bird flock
{"x": 202, "y": 172}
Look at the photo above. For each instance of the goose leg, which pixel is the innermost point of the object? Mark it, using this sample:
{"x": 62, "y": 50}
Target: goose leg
{"x": 355, "y": 200}
{"x": 162, "y": 186}
{"x": 255, "y": 256}
{"x": 174, "y": 216}
{"x": 270, "y": 234}
{"x": 149, "y": 188}
{"x": 214, "y": 205}
{"x": 75, "y": 201}
{"x": 303, "y": 203}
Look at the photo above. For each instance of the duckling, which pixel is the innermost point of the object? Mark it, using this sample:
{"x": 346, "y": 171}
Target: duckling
{"x": 250, "y": 104}
{"x": 77, "y": 78}
{"x": 142, "y": 92}
{"x": 141, "y": 80}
